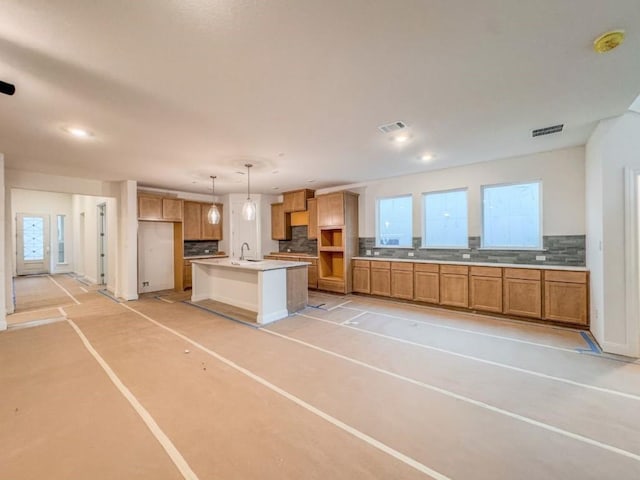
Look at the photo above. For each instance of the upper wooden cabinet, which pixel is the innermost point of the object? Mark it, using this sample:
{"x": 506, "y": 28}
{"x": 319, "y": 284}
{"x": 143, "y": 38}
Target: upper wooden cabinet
{"x": 280, "y": 222}
{"x": 163, "y": 209}
{"x": 196, "y": 222}
{"x": 296, "y": 201}
{"x": 331, "y": 209}
{"x": 312, "y": 227}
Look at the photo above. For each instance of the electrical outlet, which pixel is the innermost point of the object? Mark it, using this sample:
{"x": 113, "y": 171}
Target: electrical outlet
{"x": 411, "y": 254}
{"x": 368, "y": 252}
{"x": 466, "y": 255}
{"x": 206, "y": 251}
{"x": 375, "y": 254}
{"x": 541, "y": 258}
{"x": 145, "y": 284}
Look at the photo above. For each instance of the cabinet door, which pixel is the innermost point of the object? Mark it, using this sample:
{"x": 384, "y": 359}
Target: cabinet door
{"x": 454, "y": 289}
{"x": 523, "y": 297}
{"x": 210, "y": 231}
{"x": 187, "y": 275}
{"x": 149, "y": 208}
{"x": 381, "y": 279}
{"x": 331, "y": 209}
{"x": 280, "y": 226}
{"x": 426, "y": 286}
{"x": 313, "y": 276}
{"x": 172, "y": 209}
{"x": 566, "y": 302}
{"x": 294, "y": 201}
{"x": 402, "y": 280}
{"x": 192, "y": 229}
{"x": 312, "y": 228}
{"x": 361, "y": 276}
{"x": 486, "y": 293}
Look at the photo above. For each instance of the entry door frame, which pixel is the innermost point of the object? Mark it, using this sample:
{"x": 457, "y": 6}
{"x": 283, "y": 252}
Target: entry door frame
{"x": 46, "y": 247}
{"x": 102, "y": 250}
{"x": 632, "y": 257}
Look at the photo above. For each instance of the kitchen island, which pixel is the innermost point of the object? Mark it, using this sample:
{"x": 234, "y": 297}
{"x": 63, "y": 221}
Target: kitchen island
{"x": 269, "y": 289}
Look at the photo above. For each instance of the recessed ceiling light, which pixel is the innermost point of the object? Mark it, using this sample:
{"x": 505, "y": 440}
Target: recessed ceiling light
{"x": 426, "y": 157}
{"x": 310, "y": 181}
{"x": 275, "y": 172}
{"x": 78, "y": 132}
{"x": 276, "y": 188}
{"x": 403, "y": 137}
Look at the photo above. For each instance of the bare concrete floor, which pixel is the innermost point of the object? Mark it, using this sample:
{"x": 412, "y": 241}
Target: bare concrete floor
{"x": 352, "y": 388}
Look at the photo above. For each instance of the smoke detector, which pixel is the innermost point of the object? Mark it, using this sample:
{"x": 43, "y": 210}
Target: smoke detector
{"x": 392, "y": 127}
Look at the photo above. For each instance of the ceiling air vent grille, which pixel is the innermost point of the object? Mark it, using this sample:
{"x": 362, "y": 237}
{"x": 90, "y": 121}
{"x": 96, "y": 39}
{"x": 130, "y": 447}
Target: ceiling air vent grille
{"x": 547, "y": 130}
{"x": 392, "y": 127}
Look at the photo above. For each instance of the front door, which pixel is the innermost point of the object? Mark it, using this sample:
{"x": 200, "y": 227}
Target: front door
{"x": 32, "y": 244}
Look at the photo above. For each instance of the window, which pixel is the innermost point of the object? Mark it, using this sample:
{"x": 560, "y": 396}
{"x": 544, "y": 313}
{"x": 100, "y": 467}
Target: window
{"x": 60, "y": 238}
{"x": 393, "y": 222}
{"x": 445, "y": 219}
{"x": 511, "y": 216}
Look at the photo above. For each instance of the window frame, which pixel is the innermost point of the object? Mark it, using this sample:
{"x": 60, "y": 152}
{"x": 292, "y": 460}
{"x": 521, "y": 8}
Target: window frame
{"x": 64, "y": 242}
{"x": 539, "y": 247}
{"x": 423, "y": 244}
{"x": 377, "y": 221}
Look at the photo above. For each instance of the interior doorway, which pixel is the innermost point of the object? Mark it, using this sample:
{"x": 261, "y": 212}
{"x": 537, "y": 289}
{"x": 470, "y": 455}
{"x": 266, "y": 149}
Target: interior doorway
{"x": 243, "y": 231}
{"x": 32, "y": 244}
{"x": 102, "y": 244}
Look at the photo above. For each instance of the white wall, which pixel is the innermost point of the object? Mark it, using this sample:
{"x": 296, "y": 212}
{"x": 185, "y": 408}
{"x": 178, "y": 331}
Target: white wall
{"x": 562, "y": 173}
{"x": 48, "y": 204}
{"x": 155, "y": 256}
{"x": 88, "y": 205}
{"x": 6, "y": 303}
{"x": 614, "y": 145}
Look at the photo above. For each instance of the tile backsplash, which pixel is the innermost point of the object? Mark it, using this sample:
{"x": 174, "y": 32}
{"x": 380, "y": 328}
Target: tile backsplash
{"x": 299, "y": 242}
{"x": 194, "y": 248}
{"x": 567, "y": 250}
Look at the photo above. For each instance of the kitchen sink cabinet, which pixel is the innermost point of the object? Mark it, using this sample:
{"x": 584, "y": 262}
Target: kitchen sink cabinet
{"x": 454, "y": 285}
{"x": 426, "y": 281}
{"x": 402, "y": 280}
{"x": 485, "y": 289}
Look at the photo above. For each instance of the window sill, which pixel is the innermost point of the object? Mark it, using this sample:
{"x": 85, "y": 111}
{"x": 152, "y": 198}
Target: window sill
{"x": 394, "y": 247}
{"x": 444, "y": 248}
{"x": 511, "y": 249}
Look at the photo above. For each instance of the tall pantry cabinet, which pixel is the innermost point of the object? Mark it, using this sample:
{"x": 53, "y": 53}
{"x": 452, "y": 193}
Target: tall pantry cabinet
{"x": 337, "y": 240}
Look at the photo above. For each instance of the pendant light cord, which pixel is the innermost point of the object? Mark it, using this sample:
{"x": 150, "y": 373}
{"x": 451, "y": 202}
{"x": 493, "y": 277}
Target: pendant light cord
{"x": 248, "y": 165}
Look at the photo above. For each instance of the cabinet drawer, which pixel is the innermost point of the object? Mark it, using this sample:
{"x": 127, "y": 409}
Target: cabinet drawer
{"x": 380, "y": 265}
{"x": 458, "y": 269}
{"x": 331, "y": 285}
{"x": 563, "y": 276}
{"x": 361, "y": 263}
{"x": 427, "y": 267}
{"x": 522, "y": 273}
{"x": 486, "y": 271}
{"x": 402, "y": 266}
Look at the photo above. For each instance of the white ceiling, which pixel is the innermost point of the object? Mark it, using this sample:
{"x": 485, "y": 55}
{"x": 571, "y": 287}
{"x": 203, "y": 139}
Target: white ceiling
{"x": 177, "y": 90}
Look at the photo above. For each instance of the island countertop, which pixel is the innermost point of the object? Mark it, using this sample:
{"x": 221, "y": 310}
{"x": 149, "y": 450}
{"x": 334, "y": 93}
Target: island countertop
{"x": 250, "y": 265}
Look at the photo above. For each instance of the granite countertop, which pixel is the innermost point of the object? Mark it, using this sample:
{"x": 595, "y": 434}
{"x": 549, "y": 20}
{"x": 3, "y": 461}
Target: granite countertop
{"x": 208, "y": 255}
{"x": 294, "y": 254}
{"x": 474, "y": 264}
{"x": 257, "y": 266}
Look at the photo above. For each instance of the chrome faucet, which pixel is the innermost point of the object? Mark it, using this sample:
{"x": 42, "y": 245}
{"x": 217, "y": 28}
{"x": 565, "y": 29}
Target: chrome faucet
{"x": 242, "y": 250}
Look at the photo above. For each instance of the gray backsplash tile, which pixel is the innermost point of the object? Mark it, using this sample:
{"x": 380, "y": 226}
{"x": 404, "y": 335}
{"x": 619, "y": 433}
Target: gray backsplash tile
{"x": 299, "y": 242}
{"x": 193, "y": 248}
{"x": 565, "y": 250}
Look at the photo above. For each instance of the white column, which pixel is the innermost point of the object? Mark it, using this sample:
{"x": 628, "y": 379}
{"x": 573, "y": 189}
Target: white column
{"x": 6, "y": 302}
{"x": 127, "y": 267}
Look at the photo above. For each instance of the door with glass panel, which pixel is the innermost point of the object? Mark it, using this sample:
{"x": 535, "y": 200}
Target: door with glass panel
{"x": 32, "y": 244}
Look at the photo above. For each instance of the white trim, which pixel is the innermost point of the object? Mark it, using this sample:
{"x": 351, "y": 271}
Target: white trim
{"x": 632, "y": 265}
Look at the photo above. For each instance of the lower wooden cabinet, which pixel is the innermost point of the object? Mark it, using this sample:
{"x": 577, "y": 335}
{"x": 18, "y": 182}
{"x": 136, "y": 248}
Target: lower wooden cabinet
{"x": 485, "y": 289}
{"x": 566, "y": 297}
{"x": 426, "y": 282}
{"x": 454, "y": 285}
{"x": 381, "y": 278}
{"x": 402, "y": 280}
{"x": 187, "y": 274}
{"x": 522, "y": 292}
{"x": 312, "y": 270}
{"x": 361, "y": 276}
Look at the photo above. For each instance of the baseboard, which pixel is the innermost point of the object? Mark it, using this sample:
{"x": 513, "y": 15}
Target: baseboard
{"x": 619, "y": 349}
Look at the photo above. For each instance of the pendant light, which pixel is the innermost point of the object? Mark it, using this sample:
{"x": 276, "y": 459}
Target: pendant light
{"x": 249, "y": 207}
{"x": 214, "y": 214}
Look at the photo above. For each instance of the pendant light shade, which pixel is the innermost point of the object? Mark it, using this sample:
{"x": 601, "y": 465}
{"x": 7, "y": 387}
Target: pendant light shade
{"x": 249, "y": 207}
{"x": 213, "y": 216}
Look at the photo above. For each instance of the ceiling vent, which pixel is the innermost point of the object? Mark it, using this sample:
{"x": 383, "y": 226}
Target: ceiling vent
{"x": 392, "y": 127}
{"x": 547, "y": 130}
